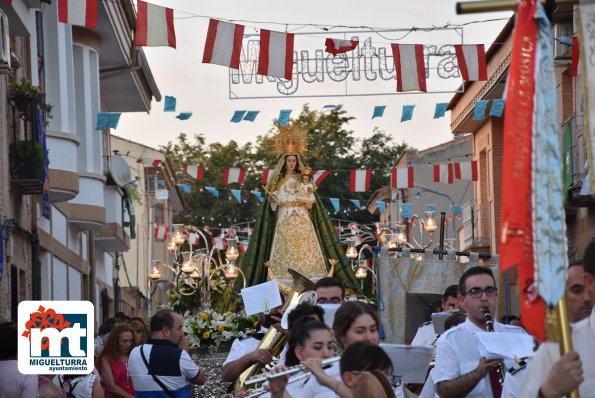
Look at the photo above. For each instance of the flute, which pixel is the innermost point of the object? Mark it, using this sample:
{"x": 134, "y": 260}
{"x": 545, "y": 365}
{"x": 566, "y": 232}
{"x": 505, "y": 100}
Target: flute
{"x": 262, "y": 390}
{"x": 289, "y": 371}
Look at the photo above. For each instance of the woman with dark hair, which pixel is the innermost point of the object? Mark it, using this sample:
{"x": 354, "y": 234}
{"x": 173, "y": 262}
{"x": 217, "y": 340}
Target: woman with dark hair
{"x": 356, "y": 321}
{"x": 113, "y": 362}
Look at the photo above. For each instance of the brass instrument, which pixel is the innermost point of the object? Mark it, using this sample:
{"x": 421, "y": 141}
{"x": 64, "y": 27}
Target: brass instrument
{"x": 287, "y": 372}
{"x": 487, "y": 317}
{"x": 273, "y": 339}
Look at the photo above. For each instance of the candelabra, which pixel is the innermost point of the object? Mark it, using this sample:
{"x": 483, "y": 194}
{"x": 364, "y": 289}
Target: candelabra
{"x": 194, "y": 269}
{"x": 361, "y": 269}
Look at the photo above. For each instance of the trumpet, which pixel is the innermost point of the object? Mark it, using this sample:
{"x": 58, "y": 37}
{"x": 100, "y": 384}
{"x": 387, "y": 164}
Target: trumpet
{"x": 290, "y": 371}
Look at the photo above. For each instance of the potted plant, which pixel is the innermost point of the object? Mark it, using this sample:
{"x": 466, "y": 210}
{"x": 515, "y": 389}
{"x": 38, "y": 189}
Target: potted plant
{"x": 24, "y": 95}
{"x": 26, "y": 160}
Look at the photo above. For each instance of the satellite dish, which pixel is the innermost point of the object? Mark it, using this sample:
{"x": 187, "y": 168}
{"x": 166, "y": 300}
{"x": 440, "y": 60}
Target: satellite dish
{"x": 120, "y": 171}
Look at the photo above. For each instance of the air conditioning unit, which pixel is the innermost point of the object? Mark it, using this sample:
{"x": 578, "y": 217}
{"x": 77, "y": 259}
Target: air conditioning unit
{"x": 4, "y": 42}
{"x": 151, "y": 183}
{"x": 563, "y": 40}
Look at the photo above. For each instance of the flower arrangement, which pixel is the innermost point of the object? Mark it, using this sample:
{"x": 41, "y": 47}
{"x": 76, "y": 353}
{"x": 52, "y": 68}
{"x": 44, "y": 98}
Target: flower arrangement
{"x": 210, "y": 328}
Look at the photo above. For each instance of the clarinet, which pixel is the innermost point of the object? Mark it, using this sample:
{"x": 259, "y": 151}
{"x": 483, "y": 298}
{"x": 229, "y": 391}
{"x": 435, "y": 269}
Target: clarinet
{"x": 487, "y": 317}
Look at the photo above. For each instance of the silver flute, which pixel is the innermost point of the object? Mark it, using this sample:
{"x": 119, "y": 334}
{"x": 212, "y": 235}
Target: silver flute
{"x": 289, "y": 371}
{"x": 263, "y": 390}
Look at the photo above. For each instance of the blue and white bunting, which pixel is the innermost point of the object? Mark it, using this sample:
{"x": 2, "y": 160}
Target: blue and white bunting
{"x": 407, "y": 113}
{"x": 251, "y": 116}
{"x": 378, "y": 111}
{"x": 213, "y": 191}
{"x": 356, "y": 203}
{"x": 184, "y": 115}
{"x": 237, "y": 116}
{"x": 335, "y": 203}
{"x": 237, "y": 194}
{"x": 440, "y": 110}
{"x": 170, "y": 104}
{"x": 284, "y": 117}
{"x": 497, "y": 108}
{"x": 258, "y": 196}
{"x": 480, "y": 109}
{"x": 381, "y": 206}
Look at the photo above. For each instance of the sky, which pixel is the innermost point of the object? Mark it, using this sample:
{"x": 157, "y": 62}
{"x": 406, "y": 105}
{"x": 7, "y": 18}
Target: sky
{"x": 204, "y": 89}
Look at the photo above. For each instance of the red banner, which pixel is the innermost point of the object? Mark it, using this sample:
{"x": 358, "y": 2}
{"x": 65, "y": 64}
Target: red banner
{"x": 516, "y": 245}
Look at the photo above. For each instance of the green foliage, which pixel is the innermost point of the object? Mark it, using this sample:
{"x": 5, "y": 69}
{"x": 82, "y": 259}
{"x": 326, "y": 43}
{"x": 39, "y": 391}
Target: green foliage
{"x": 23, "y": 93}
{"x": 330, "y": 146}
{"x": 26, "y": 160}
{"x": 134, "y": 194}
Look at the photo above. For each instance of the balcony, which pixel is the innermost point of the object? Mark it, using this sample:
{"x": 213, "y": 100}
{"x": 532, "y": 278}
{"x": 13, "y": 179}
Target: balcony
{"x": 574, "y": 157}
{"x": 26, "y": 166}
{"x": 112, "y": 237}
{"x": 88, "y": 207}
{"x": 63, "y": 169}
{"x": 475, "y": 229}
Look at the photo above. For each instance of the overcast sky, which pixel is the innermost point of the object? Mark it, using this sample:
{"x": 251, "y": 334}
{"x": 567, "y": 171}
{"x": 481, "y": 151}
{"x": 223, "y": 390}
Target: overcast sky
{"x": 204, "y": 88}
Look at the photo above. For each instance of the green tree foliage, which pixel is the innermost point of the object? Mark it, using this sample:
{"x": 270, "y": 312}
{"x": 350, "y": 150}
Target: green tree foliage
{"x": 330, "y": 146}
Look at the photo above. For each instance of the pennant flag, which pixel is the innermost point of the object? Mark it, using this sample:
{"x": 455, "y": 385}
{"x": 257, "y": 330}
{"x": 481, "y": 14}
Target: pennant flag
{"x": 207, "y": 229}
{"x": 107, "y": 120}
{"x": 401, "y": 177}
{"x": 276, "y": 54}
{"x": 338, "y": 46}
{"x": 497, "y": 108}
{"x": 258, "y": 196}
{"x": 266, "y": 174}
{"x": 440, "y": 110}
{"x": 193, "y": 238}
{"x": 444, "y": 173}
{"x": 336, "y": 205}
{"x": 160, "y": 232}
{"x": 457, "y": 212}
{"x": 149, "y": 162}
{"x": 431, "y": 207}
{"x": 195, "y": 171}
{"x": 237, "y": 116}
{"x": 472, "y": 62}
{"x": 78, "y": 12}
{"x": 406, "y": 210}
{"x": 243, "y": 246}
{"x": 356, "y": 203}
{"x": 154, "y": 25}
{"x": 219, "y": 243}
{"x": 284, "y": 117}
{"x": 360, "y": 180}
{"x": 184, "y": 187}
{"x": 576, "y": 54}
{"x": 251, "y": 116}
{"x": 378, "y": 111}
{"x": 330, "y": 106}
{"x": 234, "y": 174}
{"x": 170, "y": 104}
{"x": 237, "y": 194}
{"x": 223, "y": 44}
{"x": 184, "y": 115}
{"x": 381, "y": 206}
{"x": 212, "y": 191}
{"x": 407, "y": 113}
{"x": 409, "y": 64}
{"x": 319, "y": 176}
{"x": 466, "y": 170}
{"x": 480, "y": 109}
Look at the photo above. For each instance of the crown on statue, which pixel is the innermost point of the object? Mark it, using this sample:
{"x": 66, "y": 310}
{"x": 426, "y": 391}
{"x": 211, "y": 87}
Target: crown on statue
{"x": 290, "y": 140}
{"x": 307, "y": 171}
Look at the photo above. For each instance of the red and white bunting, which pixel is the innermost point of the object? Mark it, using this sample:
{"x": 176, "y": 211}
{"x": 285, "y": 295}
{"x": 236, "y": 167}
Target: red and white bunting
{"x": 243, "y": 246}
{"x": 149, "y": 162}
{"x": 195, "y": 171}
{"x": 160, "y": 232}
{"x": 234, "y": 174}
{"x": 410, "y": 67}
{"x": 193, "y": 238}
{"x": 78, "y": 12}
{"x": 466, "y": 170}
{"x": 276, "y": 54}
{"x": 207, "y": 231}
{"x": 249, "y": 231}
{"x": 338, "y": 46}
{"x": 576, "y": 56}
{"x": 266, "y": 175}
{"x": 401, "y": 177}
{"x": 224, "y": 44}
{"x": 219, "y": 242}
{"x": 444, "y": 173}
{"x": 354, "y": 228}
{"x": 472, "y": 61}
{"x": 154, "y": 25}
{"x": 319, "y": 176}
{"x": 360, "y": 180}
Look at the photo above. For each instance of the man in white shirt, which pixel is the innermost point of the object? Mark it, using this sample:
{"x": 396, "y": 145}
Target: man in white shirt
{"x": 460, "y": 370}
{"x": 425, "y": 334}
{"x": 548, "y": 374}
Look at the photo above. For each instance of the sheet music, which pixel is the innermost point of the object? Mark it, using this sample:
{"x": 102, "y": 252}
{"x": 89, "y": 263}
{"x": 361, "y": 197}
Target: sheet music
{"x": 329, "y": 313}
{"x": 504, "y": 345}
{"x": 261, "y": 298}
{"x": 411, "y": 363}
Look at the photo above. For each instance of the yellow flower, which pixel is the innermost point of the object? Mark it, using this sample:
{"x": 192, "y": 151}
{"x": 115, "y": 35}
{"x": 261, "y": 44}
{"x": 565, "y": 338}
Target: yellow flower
{"x": 228, "y": 313}
{"x": 220, "y": 328}
{"x": 204, "y": 316}
{"x": 206, "y": 335}
{"x": 173, "y": 297}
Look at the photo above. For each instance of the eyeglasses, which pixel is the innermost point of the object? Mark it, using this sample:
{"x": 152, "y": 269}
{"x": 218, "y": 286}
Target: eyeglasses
{"x": 477, "y": 292}
{"x": 332, "y": 300}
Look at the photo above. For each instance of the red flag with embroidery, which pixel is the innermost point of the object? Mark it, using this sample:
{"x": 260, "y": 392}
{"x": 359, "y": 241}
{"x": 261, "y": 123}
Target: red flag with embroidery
{"x": 360, "y": 180}
{"x": 195, "y": 171}
{"x": 516, "y": 238}
{"x": 234, "y": 174}
{"x": 401, "y": 177}
{"x": 154, "y": 25}
{"x": 224, "y": 44}
{"x": 339, "y": 46}
{"x": 77, "y": 12}
{"x": 472, "y": 61}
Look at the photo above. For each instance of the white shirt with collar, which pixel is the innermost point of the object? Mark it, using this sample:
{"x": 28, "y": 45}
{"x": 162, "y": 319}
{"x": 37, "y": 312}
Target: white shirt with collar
{"x": 241, "y": 347}
{"x": 425, "y": 334}
{"x": 583, "y": 341}
{"x": 457, "y": 354}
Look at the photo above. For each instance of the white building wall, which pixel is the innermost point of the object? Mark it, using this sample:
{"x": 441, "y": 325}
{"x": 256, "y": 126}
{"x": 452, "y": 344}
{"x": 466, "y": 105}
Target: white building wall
{"x": 60, "y": 290}
{"x": 59, "y": 226}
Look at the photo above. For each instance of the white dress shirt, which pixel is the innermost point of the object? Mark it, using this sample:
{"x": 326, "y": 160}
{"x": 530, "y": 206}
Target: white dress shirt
{"x": 425, "y": 334}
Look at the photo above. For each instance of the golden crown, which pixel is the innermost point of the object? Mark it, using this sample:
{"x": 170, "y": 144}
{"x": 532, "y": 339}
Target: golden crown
{"x": 307, "y": 171}
{"x": 290, "y": 139}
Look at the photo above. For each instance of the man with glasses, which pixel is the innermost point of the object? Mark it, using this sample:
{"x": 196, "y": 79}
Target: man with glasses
{"x": 329, "y": 291}
{"x": 425, "y": 334}
{"x": 460, "y": 369}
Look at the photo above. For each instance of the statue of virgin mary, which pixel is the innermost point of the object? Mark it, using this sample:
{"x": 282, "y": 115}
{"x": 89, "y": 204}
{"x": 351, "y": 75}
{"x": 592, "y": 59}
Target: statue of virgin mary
{"x": 292, "y": 228}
